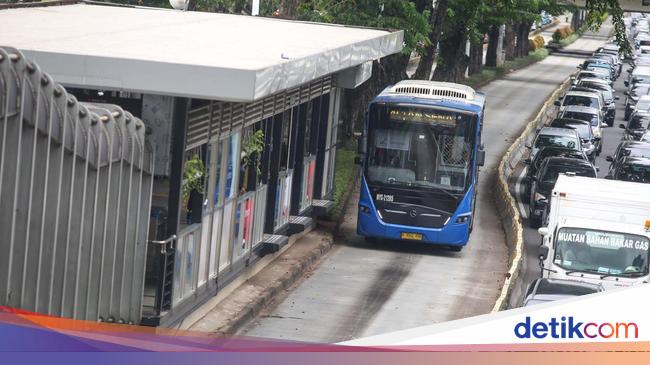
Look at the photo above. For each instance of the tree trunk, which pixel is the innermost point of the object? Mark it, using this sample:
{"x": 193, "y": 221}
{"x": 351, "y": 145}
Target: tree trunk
{"x": 436, "y": 19}
{"x": 509, "y": 42}
{"x": 453, "y": 60}
{"x": 389, "y": 70}
{"x": 523, "y": 29}
{"x": 475, "y": 57}
{"x": 493, "y": 44}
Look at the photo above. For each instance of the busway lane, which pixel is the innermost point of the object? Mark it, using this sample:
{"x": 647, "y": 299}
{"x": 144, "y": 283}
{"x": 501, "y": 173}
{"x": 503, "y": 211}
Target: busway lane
{"x": 360, "y": 289}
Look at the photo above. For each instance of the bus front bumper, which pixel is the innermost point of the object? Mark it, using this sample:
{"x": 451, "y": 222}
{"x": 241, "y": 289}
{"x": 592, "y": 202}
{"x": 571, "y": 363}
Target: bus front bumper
{"x": 452, "y": 234}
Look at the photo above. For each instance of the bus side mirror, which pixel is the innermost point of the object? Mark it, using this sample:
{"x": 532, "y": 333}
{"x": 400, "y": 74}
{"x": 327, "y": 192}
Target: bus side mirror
{"x": 480, "y": 157}
{"x": 543, "y": 252}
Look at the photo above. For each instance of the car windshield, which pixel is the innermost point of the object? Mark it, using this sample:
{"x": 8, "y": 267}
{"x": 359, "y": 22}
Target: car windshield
{"x": 605, "y": 91}
{"x": 552, "y": 171}
{"x": 584, "y": 131}
{"x": 550, "y": 140}
{"x": 634, "y": 172}
{"x": 420, "y": 147}
{"x": 591, "y": 118}
{"x": 594, "y": 74}
{"x": 581, "y": 100}
{"x": 639, "y": 122}
{"x": 604, "y": 252}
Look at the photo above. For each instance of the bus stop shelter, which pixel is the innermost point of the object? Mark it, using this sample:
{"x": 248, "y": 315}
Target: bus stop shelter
{"x": 242, "y": 113}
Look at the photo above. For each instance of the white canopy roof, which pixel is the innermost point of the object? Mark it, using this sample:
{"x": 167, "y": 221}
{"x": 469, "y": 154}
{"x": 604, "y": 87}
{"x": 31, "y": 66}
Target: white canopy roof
{"x": 194, "y": 54}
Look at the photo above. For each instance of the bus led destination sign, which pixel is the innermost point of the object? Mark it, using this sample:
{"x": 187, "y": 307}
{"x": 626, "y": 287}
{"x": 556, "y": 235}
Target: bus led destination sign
{"x": 423, "y": 116}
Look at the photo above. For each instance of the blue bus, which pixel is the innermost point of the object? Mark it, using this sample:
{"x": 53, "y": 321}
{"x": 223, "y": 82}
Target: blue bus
{"x": 420, "y": 153}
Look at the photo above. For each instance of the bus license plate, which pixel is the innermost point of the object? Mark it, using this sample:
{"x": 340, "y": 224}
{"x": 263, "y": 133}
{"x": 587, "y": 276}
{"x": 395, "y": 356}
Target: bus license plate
{"x": 411, "y": 236}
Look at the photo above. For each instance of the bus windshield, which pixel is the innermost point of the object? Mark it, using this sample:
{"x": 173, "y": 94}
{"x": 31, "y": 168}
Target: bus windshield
{"x": 418, "y": 146}
{"x": 601, "y": 252}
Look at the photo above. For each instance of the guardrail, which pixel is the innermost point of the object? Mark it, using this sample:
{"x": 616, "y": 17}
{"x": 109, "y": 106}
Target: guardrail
{"x": 507, "y": 204}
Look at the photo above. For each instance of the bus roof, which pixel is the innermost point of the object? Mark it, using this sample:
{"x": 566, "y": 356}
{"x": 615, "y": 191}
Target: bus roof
{"x": 443, "y": 94}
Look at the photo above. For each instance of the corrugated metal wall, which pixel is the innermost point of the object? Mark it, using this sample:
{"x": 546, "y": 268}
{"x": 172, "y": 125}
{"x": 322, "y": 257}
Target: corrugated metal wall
{"x": 75, "y": 195}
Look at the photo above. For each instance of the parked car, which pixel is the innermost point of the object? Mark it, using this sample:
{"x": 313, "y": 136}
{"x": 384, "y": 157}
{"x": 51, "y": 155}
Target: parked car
{"x": 580, "y": 98}
{"x": 556, "y": 137}
{"x": 584, "y": 132}
{"x": 591, "y": 74}
{"x": 633, "y": 97}
{"x": 637, "y": 126}
{"x": 642, "y": 105}
{"x": 542, "y": 184}
{"x": 545, "y": 290}
{"x": 593, "y": 116}
{"x": 534, "y": 163}
{"x": 634, "y": 169}
{"x": 608, "y": 94}
{"x": 627, "y": 149}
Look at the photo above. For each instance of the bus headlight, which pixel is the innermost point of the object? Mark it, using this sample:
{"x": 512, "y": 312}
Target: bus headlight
{"x": 364, "y": 209}
{"x": 462, "y": 219}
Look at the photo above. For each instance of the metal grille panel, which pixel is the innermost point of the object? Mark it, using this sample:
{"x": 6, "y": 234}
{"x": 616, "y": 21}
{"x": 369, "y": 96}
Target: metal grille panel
{"x": 75, "y": 190}
{"x": 221, "y": 117}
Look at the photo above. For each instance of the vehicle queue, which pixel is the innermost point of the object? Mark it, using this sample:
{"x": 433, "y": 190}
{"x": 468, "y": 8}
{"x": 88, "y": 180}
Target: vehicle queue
{"x": 595, "y": 233}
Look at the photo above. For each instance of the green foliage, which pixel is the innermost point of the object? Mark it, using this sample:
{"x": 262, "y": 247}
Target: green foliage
{"x": 388, "y": 14}
{"x": 193, "y": 173}
{"x": 343, "y": 176}
{"x": 252, "y": 148}
{"x": 224, "y": 6}
{"x": 597, "y": 13}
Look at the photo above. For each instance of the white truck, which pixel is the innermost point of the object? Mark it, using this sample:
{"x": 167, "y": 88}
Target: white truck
{"x": 598, "y": 231}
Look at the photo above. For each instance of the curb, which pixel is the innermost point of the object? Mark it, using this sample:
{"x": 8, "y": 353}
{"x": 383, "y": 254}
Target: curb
{"x": 252, "y": 310}
{"x": 507, "y": 205}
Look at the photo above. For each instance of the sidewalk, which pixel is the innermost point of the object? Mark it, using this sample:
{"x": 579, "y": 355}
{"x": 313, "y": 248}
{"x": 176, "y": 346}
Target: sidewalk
{"x": 228, "y": 311}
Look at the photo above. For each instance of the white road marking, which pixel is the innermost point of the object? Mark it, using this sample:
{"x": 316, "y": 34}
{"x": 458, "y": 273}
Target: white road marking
{"x": 522, "y": 208}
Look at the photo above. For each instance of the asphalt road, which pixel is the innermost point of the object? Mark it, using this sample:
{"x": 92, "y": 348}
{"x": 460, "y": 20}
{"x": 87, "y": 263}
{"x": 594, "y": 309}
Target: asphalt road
{"x": 360, "y": 289}
{"x": 611, "y": 138}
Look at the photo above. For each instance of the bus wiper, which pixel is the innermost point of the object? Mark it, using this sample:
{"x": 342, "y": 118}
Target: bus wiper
{"x": 455, "y": 196}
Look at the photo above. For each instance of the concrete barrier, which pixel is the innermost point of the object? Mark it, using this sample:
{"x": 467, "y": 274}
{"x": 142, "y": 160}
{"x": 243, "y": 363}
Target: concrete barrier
{"x": 507, "y": 204}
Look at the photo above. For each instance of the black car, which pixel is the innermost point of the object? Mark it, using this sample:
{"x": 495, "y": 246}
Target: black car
{"x": 584, "y": 131}
{"x": 635, "y": 169}
{"x": 638, "y": 124}
{"x": 628, "y": 149}
{"x": 608, "y": 94}
{"x": 552, "y": 151}
{"x": 544, "y": 181}
{"x": 633, "y": 96}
